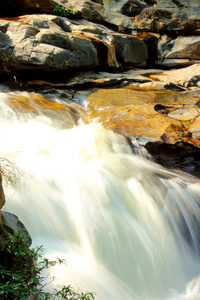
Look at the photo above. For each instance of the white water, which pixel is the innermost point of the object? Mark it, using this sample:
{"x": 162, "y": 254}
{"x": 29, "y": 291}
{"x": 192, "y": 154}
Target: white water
{"x": 128, "y": 228}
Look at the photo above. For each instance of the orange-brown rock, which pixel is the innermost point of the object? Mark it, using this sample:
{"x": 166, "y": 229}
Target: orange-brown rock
{"x": 68, "y": 114}
{"x": 132, "y": 112}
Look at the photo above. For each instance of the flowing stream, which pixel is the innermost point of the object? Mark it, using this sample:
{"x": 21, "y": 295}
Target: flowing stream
{"x": 128, "y": 228}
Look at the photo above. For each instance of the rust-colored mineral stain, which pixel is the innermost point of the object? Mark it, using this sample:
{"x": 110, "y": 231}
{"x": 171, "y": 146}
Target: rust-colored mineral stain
{"x": 14, "y": 19}
{"x": 153, "y": 76}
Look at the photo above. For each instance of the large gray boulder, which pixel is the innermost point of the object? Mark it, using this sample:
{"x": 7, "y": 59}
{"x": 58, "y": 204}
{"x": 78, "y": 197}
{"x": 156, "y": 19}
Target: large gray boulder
{"x": 26, "y": 47}
{"x": 97, "y": 13}
{"x": 169, "y": 21}
{"x": 178, "y": 3}
{"x": 182, "y": 47}
{"x": 182, "y": 51}
{"x": 130, "y": 50}
{"x": 52, "y": 43}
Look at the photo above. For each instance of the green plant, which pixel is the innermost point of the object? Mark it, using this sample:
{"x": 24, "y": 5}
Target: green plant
{"x": 63, "y": 11}
{"x": 21, "y": 273}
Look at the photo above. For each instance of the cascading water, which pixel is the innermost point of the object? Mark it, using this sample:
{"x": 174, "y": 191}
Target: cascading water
{"x": 128, "y": 228}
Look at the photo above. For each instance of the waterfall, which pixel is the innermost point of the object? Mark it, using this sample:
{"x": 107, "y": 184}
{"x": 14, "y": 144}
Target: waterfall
{"x": 128, "y": 228}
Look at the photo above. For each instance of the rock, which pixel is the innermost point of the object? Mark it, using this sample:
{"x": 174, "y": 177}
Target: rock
{"x": 132, "y": 7}
{"x": 169, "y": 21}
{"x": 151, "y": 41}
{"x": 12, "y": 224}
{"x": 195, "y": 128}
{"x": 185, "y": 77}
{"x": 182, "y": 156}
{"x": 97, "y": 13}
{"x": 175, "y": 63}
{"x": 90, "y": 79}
{"x": 89, "y": 10}
{"x": 129, "y": 49}
{"x": 183, "y": 47}
{"x": 178, "y": 3}
{"x": 48, "y": 43}
{"x": 130, "y": 111}
{"x": 136, "y": 112}
{"x": 47, "y": 50}
{"x": 175, "y": 133}
{"x": 174, "y": 87}
{"x": 133, "y": 51}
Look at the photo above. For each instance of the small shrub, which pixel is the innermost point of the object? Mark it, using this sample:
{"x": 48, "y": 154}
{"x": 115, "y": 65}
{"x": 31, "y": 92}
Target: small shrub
{"x": 21, "y": 273}
{"x": 11, "y": 174}
{"x": 64, "y": 12}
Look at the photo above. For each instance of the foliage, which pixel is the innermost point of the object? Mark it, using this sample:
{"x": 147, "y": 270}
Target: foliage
{"x": 21, "y": 273}
{"x": 64, "y": 12}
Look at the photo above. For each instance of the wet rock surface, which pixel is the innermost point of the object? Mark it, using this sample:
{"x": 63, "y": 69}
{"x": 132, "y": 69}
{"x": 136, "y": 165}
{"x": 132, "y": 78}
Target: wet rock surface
{"x": 182, "y": 156}
{"x": 65, "y": 115}
{"x": 101, "y": 56}
{"x": 166, "y": 122}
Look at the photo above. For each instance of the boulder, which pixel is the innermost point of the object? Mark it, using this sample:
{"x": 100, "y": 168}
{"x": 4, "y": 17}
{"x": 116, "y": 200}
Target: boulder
{"x": 97, "y": 13}
{"x": 181, "y": 155}
{"x": 130, "y": 50}
{"x": 132, "y": 7}
{"x": 178, "y": 3}
{"x": 169, "y": 21}
{"x": 130, "y": 111}
{"x": 87, "y": 9}
{"x": 24, "y": 47}
{"x": 12, "y": 225}
{"x": 136, "y": 112}
{"x": 185, "y": 77}
{"x": 151, "y": 41}
{"x": 184, "y": 48}
{"x": 52, "y": 43}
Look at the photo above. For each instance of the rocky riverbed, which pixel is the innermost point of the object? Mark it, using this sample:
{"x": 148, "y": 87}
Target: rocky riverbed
{"x": 132, "y": 66}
